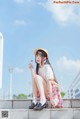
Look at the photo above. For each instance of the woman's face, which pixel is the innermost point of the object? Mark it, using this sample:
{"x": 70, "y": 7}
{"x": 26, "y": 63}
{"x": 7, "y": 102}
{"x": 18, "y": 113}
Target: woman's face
{"x": 38, "y": 59}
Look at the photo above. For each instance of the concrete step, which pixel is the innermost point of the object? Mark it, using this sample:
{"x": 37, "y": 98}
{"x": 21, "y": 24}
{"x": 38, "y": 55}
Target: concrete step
{"x": 24, "y": 104}
{"x": 63, "y": 113}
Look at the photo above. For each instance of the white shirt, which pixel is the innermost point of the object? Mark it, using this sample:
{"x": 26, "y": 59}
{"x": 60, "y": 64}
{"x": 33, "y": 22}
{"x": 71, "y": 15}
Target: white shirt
{"x": 46, "y": 72}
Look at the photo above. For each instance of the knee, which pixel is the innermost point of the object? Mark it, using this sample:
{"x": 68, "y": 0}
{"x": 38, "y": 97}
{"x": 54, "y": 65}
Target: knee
{"x": 37, "y": 78}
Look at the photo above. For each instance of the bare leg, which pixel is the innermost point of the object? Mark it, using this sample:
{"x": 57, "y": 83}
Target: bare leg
{"x": 40, "y": 85}
{"x": 34, "y": 87}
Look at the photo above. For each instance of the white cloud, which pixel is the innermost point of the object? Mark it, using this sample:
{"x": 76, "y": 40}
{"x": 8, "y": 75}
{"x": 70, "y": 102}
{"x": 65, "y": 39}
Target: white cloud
{"x": 68, "y": 65}
{"x": 67, "y": 70}
{"x": 63, "y": 13}
{"x": 22, "y": 1}
{"x": 21, "y": 22}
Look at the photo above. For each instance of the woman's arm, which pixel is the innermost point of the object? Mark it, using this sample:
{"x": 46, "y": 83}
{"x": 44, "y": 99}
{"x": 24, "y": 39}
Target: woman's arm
{"x": 32, "y": 69}
{"x": 51, "y": 81}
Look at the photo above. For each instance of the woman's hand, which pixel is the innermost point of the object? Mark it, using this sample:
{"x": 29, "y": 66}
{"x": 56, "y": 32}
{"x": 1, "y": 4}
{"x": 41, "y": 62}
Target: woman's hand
{"x": 30, "y": 66}
{"x": 32, "y": 70}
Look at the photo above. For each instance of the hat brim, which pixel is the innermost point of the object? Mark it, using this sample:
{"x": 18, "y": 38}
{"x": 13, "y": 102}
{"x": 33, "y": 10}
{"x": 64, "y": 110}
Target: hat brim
{"x": 35, "y": 51}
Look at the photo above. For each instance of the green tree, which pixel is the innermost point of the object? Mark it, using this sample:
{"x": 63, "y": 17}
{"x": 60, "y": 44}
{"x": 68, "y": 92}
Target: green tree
{"x": 22, "y": 96}
{"x": 62, "y": 94}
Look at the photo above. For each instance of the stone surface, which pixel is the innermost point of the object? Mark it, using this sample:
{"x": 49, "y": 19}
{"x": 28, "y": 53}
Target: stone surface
{"x": 24, "y": 104}
{"x": 62, "y": 114}
{"x": 21, "y": 104}
{"x": 14, "y": 114}
{"x": 19, "y": 114}
{"x": 18, "y": 109}
{"x": 75, "y": 103}
{"x": 67, "y": 103}
{"x": 44, "y": 114}
{"x": 76, "y": 113}
{"x": 5, "y": 104}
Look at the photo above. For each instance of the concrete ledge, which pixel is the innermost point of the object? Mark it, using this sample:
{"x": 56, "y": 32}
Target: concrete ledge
{"x": 64, "y": 113}
{"x": 76, "y": 113}
{"x": 44, "y": 114}
{"x": 67, "y": 103}
{"x": 13, "y": 114}
{"x": 76, "y": 103}
{"x": 5, "y": 104}
{"x": 21, "y": 104}
{"x": 24, "y": 104}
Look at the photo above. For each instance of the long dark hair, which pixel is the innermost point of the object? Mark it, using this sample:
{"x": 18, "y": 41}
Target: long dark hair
{"x": 43, "y": 54}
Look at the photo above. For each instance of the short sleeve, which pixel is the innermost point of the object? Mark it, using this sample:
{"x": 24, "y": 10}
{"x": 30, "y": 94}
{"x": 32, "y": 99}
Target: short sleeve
{"x": 49, "y": 72}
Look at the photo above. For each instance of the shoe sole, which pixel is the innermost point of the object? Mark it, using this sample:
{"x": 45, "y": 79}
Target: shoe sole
{"x": 44, "y": 106}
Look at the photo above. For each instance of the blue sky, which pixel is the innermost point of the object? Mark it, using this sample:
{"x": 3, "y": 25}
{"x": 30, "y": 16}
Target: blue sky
{"x": 29, "y": 24}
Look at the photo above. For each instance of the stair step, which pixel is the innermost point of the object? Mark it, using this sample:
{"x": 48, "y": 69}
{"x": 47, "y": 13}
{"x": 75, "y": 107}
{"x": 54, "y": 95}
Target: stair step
{"x": 24, "y": 104}
{"x": 58, "y": 113}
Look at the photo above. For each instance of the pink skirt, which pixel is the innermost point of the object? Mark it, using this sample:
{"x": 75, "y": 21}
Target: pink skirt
{"x": 56, "y": 97}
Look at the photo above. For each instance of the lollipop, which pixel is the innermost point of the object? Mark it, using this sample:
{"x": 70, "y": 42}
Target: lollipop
{"x": 31, "y": 60}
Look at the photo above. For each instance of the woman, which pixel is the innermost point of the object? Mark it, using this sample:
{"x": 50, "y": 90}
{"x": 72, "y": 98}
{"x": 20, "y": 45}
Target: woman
{"x": 44, "y": 84}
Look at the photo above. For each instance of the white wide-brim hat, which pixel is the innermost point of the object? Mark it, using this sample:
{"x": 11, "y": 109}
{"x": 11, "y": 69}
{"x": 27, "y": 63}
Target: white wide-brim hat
{"x": 35, "y": 51}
